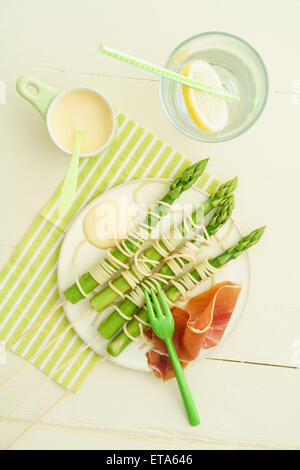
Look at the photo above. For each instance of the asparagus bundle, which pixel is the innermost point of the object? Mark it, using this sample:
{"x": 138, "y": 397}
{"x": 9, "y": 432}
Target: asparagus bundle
{"x": 128, "y": 307}
{"x": 121, "y": 284}
{"x": 116, "y": 259}
{"x": 138, "y": 324}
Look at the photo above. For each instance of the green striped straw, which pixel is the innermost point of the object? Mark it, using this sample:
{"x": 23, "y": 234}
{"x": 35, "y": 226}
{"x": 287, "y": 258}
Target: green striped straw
{"x": 177, "y": 77}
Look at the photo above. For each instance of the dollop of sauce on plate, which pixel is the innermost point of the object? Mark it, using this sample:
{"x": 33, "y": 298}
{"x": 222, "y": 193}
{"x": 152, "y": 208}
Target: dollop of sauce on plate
{"x": 108, "y": 222}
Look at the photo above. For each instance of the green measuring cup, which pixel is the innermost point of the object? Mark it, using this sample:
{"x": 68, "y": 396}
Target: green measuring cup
{"x": 45, "y": 97}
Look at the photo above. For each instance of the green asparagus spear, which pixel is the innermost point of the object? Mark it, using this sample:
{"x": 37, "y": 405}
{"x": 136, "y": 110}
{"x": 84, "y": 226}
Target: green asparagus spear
{"x": 121, "y": 341}
{"x": 114, "y": 321}
{"x": 108, "y": 295}
{"x": 179, "y": 185}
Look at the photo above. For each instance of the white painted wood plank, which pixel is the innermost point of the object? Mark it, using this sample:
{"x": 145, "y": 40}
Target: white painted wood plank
{"x": 46, "y": 437}
{"x": 238, "y": 403}
{"x": 148, "y": 30}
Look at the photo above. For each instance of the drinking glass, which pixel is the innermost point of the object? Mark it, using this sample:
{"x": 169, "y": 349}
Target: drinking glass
{"x": 241, "y": 71}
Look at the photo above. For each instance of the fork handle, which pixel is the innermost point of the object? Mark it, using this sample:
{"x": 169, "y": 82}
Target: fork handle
{"x": 183, "y": 386}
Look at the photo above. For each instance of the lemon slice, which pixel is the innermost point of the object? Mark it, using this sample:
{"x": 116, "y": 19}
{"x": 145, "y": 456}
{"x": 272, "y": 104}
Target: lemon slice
{"x": 208, "y": 112}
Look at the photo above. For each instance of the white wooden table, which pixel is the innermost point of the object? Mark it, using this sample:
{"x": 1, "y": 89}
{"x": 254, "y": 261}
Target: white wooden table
{"x": 248, "y": 390}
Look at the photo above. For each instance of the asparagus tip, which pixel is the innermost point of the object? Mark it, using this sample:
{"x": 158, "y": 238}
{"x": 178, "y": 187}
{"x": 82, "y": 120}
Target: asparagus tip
{"x": 261, "y": 230}
{"x": 234, "y": 182}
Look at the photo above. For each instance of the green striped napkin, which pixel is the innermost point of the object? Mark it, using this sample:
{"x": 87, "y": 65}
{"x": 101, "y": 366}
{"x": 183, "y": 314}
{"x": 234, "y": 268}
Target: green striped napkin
{"x": 28, "y": 282}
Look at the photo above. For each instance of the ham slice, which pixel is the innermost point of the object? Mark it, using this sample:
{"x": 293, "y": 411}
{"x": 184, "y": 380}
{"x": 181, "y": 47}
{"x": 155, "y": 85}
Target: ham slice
{"x": 200, "y": 325}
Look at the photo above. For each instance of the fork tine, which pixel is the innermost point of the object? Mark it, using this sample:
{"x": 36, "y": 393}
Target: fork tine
{"x": 151, "y": 314}
{"x": 157, "y": 307}
{"x": 164, "y": 303}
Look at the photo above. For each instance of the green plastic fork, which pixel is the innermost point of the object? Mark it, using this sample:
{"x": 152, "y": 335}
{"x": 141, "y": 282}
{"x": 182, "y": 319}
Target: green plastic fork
{"x": 163, "y": 326}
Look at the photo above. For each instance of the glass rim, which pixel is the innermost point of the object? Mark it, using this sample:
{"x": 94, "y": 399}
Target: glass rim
{"x": 265, "y": 74}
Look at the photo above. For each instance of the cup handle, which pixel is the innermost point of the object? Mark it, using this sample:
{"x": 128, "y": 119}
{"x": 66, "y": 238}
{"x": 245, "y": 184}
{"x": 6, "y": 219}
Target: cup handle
{"x": 38, "y": 93}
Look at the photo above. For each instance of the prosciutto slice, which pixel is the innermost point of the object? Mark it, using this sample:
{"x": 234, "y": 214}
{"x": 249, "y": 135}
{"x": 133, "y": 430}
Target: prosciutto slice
{"x": 200, "y": 325}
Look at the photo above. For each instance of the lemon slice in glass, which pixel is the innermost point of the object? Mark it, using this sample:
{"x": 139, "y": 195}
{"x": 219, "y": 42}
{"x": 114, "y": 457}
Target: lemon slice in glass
{"x": 209, "y": 113}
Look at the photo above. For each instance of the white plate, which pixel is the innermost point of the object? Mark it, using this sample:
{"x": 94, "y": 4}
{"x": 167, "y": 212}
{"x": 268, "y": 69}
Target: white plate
{"x": 134, "y": 357}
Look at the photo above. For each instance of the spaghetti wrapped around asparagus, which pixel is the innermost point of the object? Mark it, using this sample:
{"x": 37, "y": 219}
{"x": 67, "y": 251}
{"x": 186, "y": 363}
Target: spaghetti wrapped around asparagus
{"x": 173, "y": 267}
{"x": 201, "y": 272}
{"x": 117, "y": 258}
{"x": 131, "y": 277}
